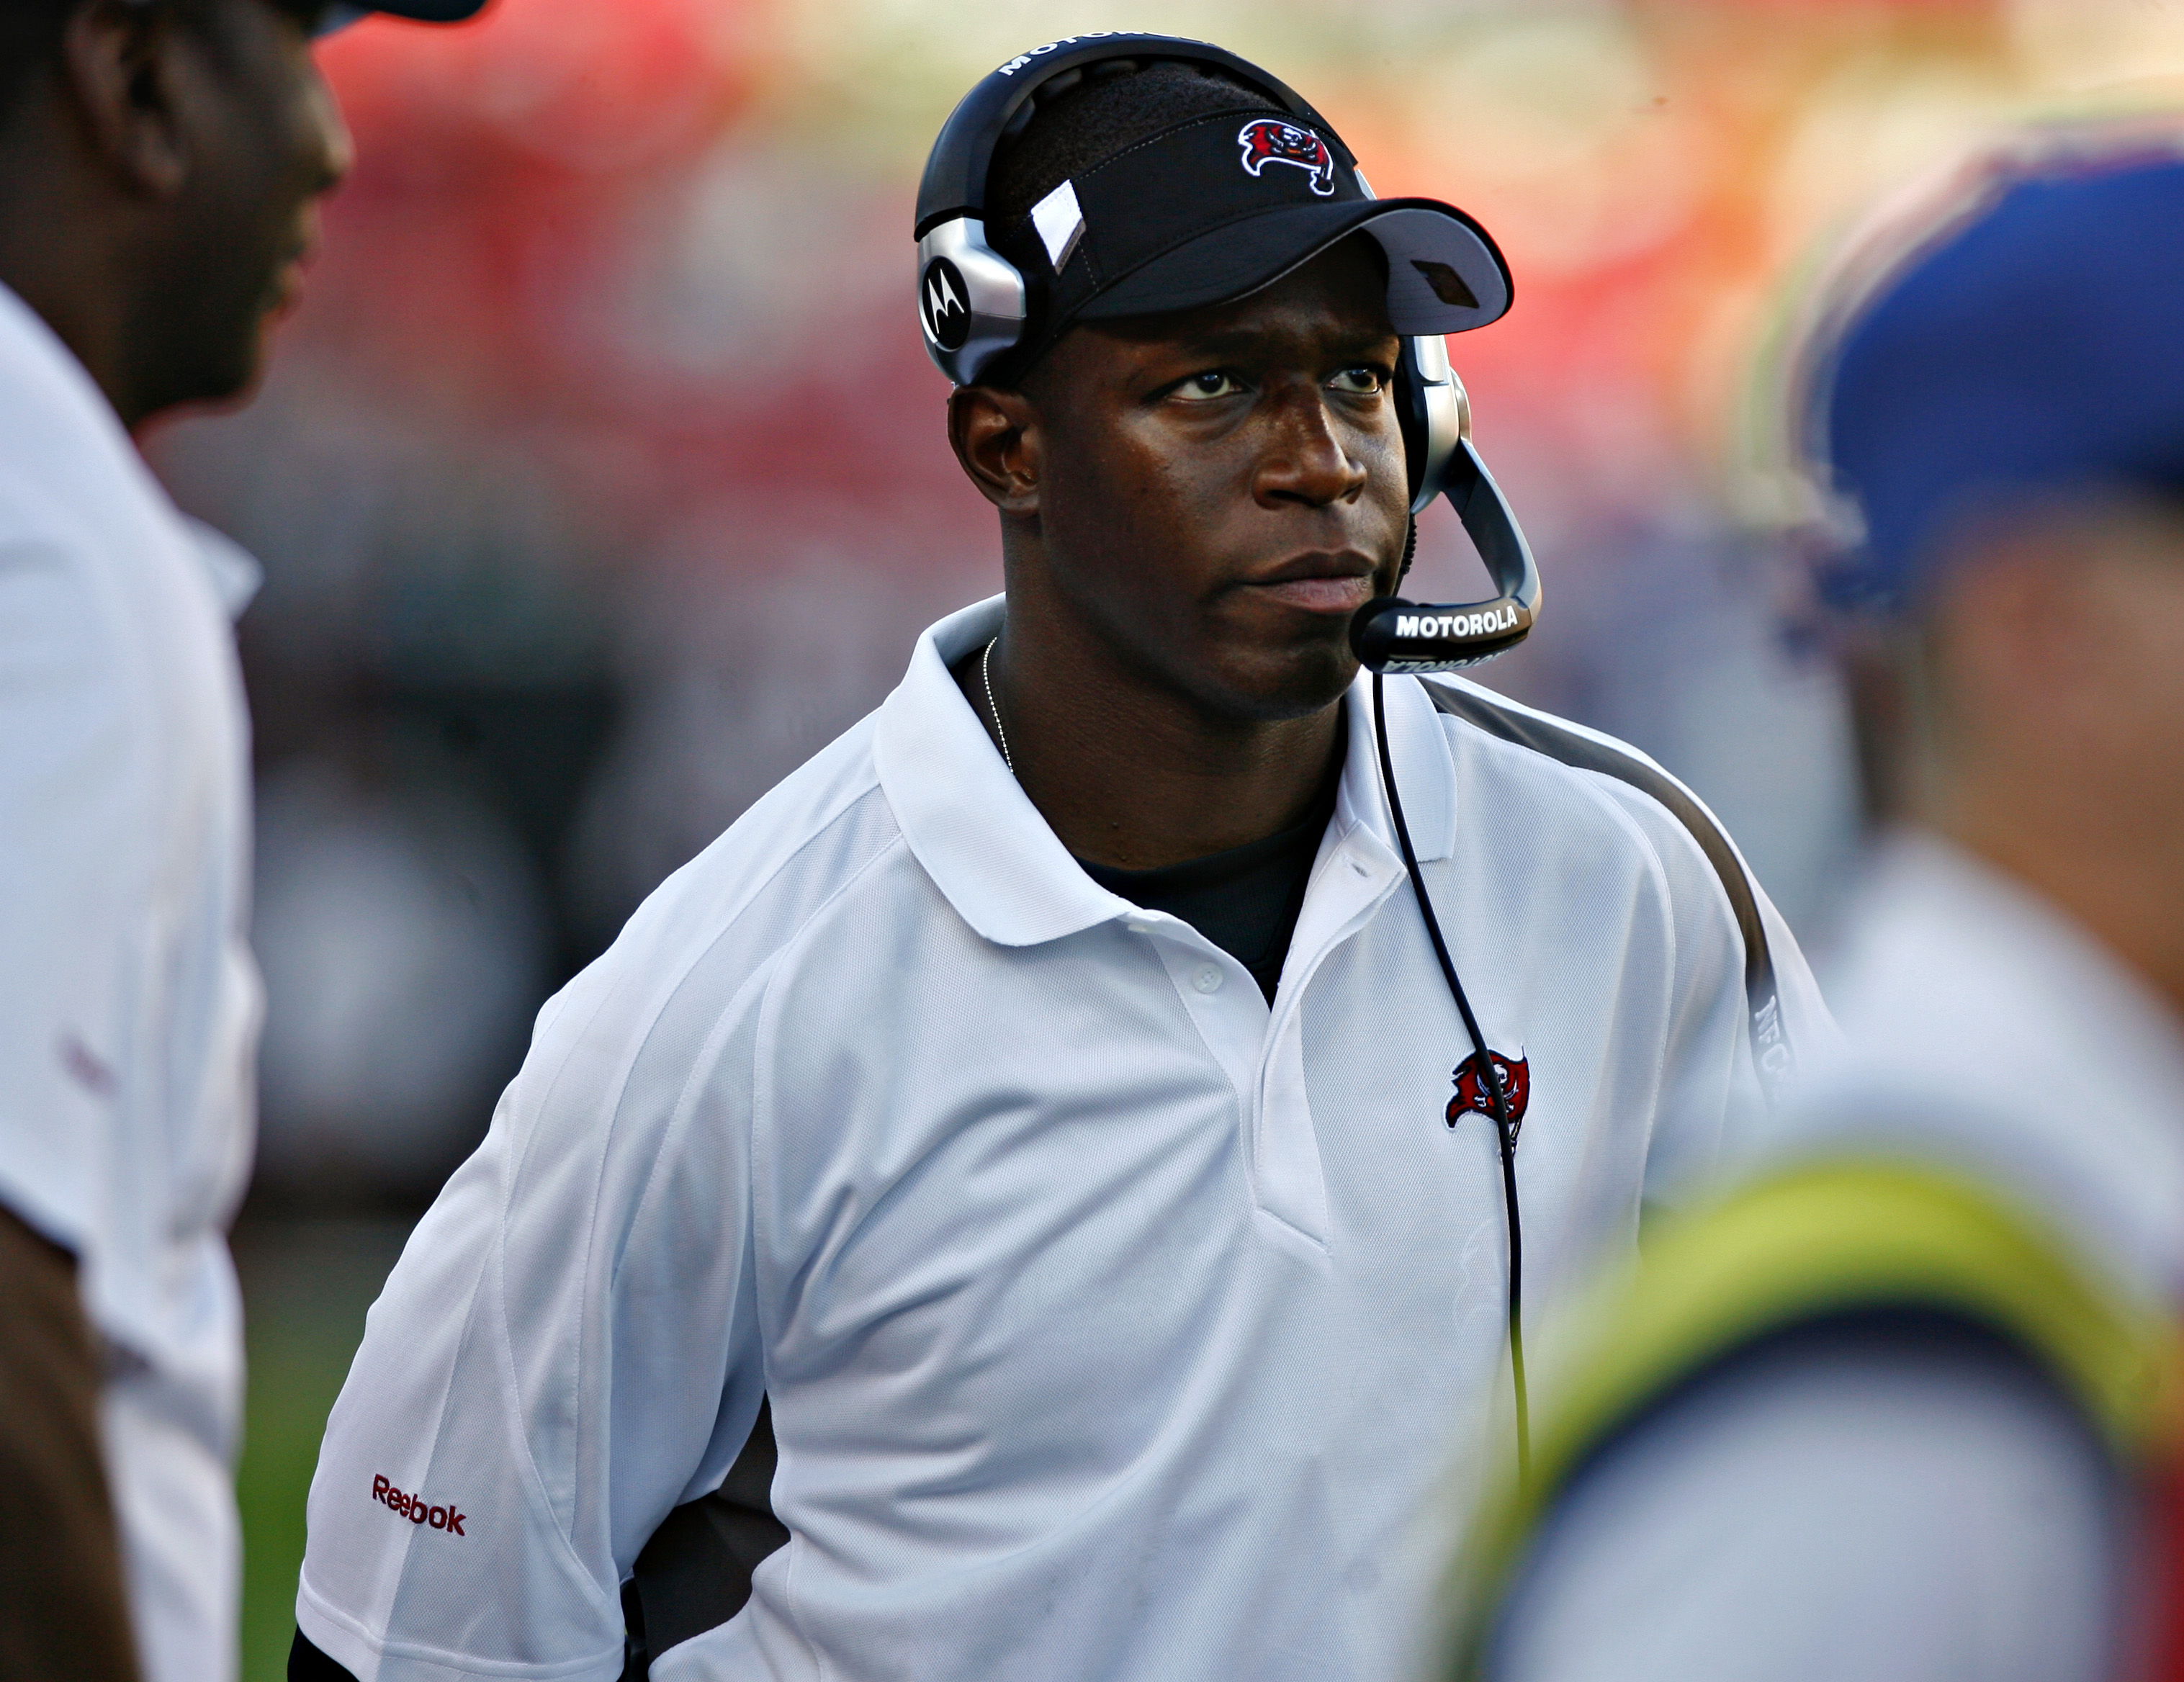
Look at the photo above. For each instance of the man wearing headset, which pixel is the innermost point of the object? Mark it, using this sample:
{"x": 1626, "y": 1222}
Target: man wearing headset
{"x": 161, "y": 164}
{"x": 1904, "y": 1407}
{"x": 1037, "y": 1146}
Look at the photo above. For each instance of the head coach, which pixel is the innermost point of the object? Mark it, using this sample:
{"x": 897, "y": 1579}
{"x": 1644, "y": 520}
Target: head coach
{"x": 1027, "y": 1200}
{"x": 161, "y": 163}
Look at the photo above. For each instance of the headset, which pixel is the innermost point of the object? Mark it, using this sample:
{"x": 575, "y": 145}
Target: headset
{"x": 975, "y": 307}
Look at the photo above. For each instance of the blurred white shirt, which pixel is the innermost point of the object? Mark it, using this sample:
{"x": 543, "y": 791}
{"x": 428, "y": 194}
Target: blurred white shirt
{"x": 1889, "y": 1518}
{"x": 128, "y": 1005}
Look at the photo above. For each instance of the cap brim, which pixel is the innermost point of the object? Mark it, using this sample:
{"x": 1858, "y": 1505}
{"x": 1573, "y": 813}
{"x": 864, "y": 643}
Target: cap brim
{"x": 428, "y": 11}
{"x": 1445, "y": 275}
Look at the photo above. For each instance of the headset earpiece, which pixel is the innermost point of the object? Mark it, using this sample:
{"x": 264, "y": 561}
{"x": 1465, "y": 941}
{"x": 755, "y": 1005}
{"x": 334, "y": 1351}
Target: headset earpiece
{"x": 1390, "y": 634}
{"x": 971, "y": 300}
{"x": 1434, "y": 412}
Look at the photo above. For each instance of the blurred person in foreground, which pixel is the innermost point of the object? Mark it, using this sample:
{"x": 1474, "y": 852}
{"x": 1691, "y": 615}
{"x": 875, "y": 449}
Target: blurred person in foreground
{"x": 1902, "y": 1405}
{"x": 161, "y": 163}
{"x": 1006, "y": 1209}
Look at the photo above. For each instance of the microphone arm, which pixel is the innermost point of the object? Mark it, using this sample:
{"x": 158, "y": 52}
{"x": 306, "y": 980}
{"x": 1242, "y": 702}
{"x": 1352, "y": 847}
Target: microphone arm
{"x": 1389, "y": 634}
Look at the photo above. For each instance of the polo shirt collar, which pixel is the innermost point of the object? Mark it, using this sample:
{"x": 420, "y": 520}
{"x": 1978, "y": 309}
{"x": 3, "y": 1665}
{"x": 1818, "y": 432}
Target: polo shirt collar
{"x": 1425, "y": 770}
{"x": 969, "y": 823}
{"x": 43, "y": 377}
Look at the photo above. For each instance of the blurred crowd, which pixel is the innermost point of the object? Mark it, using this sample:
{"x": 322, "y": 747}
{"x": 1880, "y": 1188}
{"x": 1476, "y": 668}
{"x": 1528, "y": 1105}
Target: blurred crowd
{"x": 598, "y": 483}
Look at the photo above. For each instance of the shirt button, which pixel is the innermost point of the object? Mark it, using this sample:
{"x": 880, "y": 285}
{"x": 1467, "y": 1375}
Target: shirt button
{"x": 1207, "y": 980}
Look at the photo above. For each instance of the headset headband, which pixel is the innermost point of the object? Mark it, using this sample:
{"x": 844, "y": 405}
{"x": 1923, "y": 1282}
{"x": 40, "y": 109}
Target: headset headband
{"x": 954, "y": 181}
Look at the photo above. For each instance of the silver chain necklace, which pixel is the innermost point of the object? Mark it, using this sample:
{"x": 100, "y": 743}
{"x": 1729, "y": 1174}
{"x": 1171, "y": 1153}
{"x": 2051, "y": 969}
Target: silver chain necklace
{"x": 993, "y": 706}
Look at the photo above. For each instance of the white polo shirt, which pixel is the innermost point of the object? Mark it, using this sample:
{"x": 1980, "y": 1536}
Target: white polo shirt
{"x": 128, "y": 1003}
{"x": 1114, "y": 1323}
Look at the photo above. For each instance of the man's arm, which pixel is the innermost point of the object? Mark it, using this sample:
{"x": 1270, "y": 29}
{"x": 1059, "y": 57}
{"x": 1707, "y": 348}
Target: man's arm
{"x": 63, "y": 1608}
{"x": 566, "y": 1351}
{"x": 73, "y": 831}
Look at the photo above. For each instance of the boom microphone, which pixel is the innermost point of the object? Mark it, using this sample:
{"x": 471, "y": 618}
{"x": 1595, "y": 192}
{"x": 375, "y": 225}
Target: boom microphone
{"x": 1389, "y": 634}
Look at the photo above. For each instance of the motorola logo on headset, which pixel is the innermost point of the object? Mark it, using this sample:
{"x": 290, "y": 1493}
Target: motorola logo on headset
{"x": 943, "y": 304}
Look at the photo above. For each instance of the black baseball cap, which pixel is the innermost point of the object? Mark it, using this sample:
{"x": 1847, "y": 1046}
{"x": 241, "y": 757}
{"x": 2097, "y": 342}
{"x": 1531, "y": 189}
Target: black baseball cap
{"x": 342, "y": 13}
{"x": 1218, "y": 206}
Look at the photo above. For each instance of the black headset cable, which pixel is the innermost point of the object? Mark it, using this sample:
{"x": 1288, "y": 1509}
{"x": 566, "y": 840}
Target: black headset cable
{"x": 1503, "y": 1127}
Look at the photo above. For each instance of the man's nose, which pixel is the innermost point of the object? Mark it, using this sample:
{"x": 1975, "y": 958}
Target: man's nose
{"x": 1307, "y": 459}
{"x": 335, "y": 148}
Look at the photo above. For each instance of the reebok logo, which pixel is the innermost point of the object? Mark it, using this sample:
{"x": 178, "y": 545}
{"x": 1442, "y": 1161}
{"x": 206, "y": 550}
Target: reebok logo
{"x": 413, "y": 1509}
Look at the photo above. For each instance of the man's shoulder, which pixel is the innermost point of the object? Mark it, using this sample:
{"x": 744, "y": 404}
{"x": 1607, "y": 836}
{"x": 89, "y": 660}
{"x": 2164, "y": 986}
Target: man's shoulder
{"x": 1531, "y": 746}
{"x": 1705, "y": 876}
{"x": 805, "y": 836}
{"x": 70, "y": 480}
{"x": 725, "y": 916}
{"x": 89, "y": 545}
{"x": 51, "y": 529}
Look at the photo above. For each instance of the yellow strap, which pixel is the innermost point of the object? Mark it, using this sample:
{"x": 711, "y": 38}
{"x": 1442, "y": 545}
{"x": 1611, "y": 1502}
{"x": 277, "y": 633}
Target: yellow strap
{"x": 1809, "y": 1244}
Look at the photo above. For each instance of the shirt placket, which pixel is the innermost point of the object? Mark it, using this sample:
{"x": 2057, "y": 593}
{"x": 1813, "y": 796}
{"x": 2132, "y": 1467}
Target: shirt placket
{"x": 1262, "y": 1050}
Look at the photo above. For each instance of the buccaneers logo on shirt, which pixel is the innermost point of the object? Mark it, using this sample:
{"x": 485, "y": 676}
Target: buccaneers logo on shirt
{"x": 1269, "y": 140}
{"x": 1473, "y": 1094}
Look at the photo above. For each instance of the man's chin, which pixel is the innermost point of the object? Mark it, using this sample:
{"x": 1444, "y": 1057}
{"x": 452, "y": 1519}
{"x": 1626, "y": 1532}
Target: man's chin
{"x": 1292, "y": 681}
{"x": 231, "y": 378}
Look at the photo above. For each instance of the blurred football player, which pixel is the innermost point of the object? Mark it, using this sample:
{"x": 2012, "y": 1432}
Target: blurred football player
{"x": 160, "y": 164}
{"x": 1898, "y": 1407}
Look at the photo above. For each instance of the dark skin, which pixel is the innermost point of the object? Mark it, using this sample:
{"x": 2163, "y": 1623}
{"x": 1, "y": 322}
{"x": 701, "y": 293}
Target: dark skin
{"x": 62, "y": 1607}
{"x": 160, "y": 181}
{"x": 1192, "y": 508}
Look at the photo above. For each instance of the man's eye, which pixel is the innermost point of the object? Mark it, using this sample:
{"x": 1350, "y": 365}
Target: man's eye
{"x": 1359, "y": 381}
{"x": 1200, "y": 388}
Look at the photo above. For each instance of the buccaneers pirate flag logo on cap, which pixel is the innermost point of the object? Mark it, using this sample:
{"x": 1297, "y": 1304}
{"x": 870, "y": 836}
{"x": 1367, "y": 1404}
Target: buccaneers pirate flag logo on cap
{"x": 1269, "y": 140}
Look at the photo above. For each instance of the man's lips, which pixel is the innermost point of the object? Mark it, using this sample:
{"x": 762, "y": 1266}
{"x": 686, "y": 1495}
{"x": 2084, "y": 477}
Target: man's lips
{"x": 287, "y": 289}
{"x": 1318, "y": 583}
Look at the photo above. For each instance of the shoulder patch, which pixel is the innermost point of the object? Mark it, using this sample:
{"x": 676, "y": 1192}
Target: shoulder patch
{"x": 1770, "y": 1043}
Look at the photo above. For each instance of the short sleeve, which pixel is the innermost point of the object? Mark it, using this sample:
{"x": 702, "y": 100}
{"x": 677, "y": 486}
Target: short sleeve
{"x": 567, "y": 1349}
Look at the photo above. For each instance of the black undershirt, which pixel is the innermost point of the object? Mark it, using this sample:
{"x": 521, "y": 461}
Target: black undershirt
{"x": 1245, "y": 900}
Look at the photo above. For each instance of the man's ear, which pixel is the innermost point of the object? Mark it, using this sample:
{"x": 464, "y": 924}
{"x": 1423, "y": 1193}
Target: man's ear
{"x": 996, "y": 437}
{"x": 121, "y": 69}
